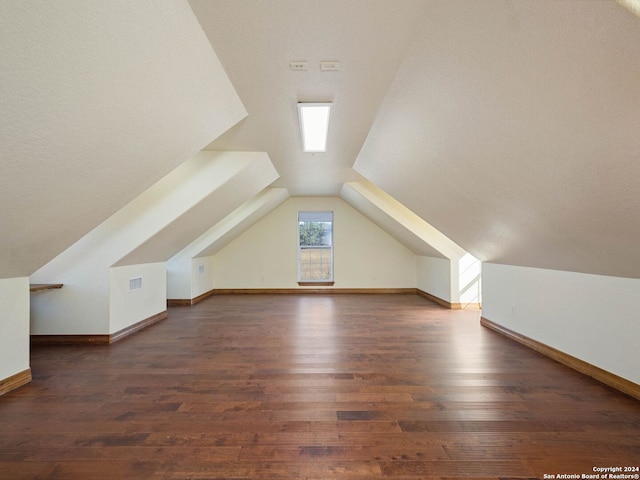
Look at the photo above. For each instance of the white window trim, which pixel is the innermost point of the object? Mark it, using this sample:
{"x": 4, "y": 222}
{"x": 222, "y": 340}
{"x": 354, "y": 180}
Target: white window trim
{"x": 324, "y": 281}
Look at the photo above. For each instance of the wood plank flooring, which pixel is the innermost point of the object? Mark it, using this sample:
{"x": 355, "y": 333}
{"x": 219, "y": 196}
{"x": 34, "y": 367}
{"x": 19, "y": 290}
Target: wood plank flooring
{"x": 311, "y": 387}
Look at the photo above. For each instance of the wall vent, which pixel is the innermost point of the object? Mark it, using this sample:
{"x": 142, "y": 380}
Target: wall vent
{"x": 135, "y": 284}
{"x": 200, "y": 268}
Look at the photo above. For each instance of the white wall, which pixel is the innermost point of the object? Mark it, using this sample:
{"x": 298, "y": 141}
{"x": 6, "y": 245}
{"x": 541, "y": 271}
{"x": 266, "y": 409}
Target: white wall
{"x": 80, "y": 307}
{"x": 265, "y": 256}
{"x": 129, "y": 307}
{"x": 185, "y": 281}
{"x": 97, "y": 301}
{"x": 592, "y": 317}
{"x": 465, "y": 280}
{"x": 456, "y": 280}
{"x": 226, "y": 179}
{"x": 434, "y": 276}
{"x": 14, "y": 326}
{"x": 401, "y": 223}
{"x": 179, "y": 278}
{"x": 201, "y": 281}
{"x": 83, "y": 305}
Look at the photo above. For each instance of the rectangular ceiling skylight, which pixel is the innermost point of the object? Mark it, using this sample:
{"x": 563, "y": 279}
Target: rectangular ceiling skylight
{"x": 314, "y": 125}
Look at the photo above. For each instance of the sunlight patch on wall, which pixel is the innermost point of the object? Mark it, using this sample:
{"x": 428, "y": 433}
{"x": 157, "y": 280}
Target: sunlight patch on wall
{"x": 469, "y": 280}
{"x": 633, "y": 5}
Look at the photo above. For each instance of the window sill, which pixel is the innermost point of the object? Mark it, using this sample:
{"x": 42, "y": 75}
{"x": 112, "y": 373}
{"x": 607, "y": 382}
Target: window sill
{"x": 316, "y": 284}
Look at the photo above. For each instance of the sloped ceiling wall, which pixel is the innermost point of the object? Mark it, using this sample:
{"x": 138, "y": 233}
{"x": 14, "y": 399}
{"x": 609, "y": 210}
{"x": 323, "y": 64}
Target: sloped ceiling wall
{"x": 237, "y": 222}
{"x": 257, "y": 173}
{"x": 513, "y": 128}
{"x": 99, "y": 101}
{"x": 182, "y": 280}
{"x": 399, "y": 222}
{"x": 256, "y": 40}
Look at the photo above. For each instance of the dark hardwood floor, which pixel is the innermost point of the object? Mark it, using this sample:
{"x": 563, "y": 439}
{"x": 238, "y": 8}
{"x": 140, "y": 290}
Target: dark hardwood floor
{"x": 316, "y": 387}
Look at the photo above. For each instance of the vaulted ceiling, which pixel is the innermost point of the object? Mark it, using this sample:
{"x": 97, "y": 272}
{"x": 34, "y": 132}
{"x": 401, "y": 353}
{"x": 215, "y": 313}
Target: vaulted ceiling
{"x": 99, "y": 100}
{"x": 509, "y": 125}
{"x": 514, "y": 128}
{"x": 255, "y": 42}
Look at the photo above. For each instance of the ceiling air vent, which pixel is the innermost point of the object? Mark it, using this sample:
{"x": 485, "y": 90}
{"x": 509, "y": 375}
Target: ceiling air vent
{"x": 300, "y": 66}
{"x": 329, "y": 66}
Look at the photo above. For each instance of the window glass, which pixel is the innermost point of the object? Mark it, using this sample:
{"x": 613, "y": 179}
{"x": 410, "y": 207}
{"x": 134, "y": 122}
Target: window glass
{"x": 315, "y": 246}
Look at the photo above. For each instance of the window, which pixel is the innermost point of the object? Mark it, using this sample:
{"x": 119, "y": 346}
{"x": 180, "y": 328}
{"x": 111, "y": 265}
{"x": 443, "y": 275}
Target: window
{"x": 315, "y": 247}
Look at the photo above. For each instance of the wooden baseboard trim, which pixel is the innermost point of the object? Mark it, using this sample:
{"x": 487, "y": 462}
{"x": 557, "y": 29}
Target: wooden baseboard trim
{"x": 306, "y": 291}
{"x": 205, "y": 295}
{"x": 179, "y": 302}
{"x": 446, "y": 304}
{"x": 187, "y": 302}
{"x": 468, "y": 306}
{"x": 37, "y": 340}
{"x": 608, "y": 378}
{"x": 15, "y": 381}
{"x": 105, "y": 339}
{"x": 434, "y": 299}
{"x": 136, "y": 327}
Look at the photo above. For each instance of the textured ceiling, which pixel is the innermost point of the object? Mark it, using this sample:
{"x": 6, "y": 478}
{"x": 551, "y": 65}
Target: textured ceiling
{"x": 514, "y": 128}
{"x": 99, "y": 101}
{"x": 256, "y": 40}
{"x": 509, "y": 125}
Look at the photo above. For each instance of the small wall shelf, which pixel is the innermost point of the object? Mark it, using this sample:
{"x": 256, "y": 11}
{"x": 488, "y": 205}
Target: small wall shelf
{"x": 37, "y": 287}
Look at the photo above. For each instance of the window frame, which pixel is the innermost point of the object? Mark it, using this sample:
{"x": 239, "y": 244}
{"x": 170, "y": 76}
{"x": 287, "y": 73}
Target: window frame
{"x": 300, "y": 219}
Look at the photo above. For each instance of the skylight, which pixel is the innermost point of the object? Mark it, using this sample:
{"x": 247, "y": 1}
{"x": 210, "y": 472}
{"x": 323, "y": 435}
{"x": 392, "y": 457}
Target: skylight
{"x": 314, "y": 126}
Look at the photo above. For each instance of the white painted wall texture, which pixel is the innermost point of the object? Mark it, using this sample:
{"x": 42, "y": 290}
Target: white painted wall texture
{"x": 460, "y": 284}
{"x": 265, "y": 256}
{"x": 179, "y": 278}
{"x": 465, "y": 280}
{"x": 128, "y": 307}
{"x": 84, "y": 305}
{"x": 80, "y": 307}
{"x": 434, "y": 277}
{"x": 202, "y": 276}
{"x": 14, "y": 326}
{"x": 592, "y": 317}
{"x": 185, "y": 280}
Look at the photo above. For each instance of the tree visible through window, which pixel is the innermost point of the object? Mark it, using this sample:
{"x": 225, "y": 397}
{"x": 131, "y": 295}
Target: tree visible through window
{"x": 315, "y": 246}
